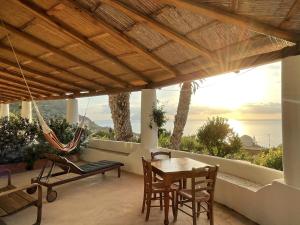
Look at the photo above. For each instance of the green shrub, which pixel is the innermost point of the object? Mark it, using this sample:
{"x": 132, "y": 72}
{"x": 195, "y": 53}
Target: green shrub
{"x": 218, "y": 138}
{"x": 271, "y": 158}
{"x": 190, "y": 144}
{"x": 15, "y": 134}
{"x": 110, "y": 135}
{"x": 21, "y": 141}
{"x": 164, "y": 138}
{"x": 241, "y": 155}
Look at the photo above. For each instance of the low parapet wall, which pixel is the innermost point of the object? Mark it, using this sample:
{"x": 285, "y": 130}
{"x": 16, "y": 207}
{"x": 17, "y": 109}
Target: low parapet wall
{"x": 255, "y": 191}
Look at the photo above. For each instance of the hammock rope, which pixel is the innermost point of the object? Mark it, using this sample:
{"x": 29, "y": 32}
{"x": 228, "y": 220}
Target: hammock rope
{"x": 49, "y": 134}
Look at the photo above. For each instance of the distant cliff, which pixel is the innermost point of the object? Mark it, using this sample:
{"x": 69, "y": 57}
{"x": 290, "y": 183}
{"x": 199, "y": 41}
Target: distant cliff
{"x": 55, "y": 108}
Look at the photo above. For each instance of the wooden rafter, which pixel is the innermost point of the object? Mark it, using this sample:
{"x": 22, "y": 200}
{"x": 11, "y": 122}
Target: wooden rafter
{"x": 63, "y": 54}
{"x": 39, "y": 73}
{"x": 291, "y": 12}
{"x": 34, "y": 83}
{"x": 229, "y": 51}
{"x": 234, "y": 19}
{"x": 161, "y": 28}
{"x": 7, "y": 98}
{"x": 90, "y": 16}
{"x": 12, "y": 95}
{"x": 59, "y": 25}
{"x": 57, "y": 68}
{"x": 233, "y": 65}
{"x": 11, "y": 88}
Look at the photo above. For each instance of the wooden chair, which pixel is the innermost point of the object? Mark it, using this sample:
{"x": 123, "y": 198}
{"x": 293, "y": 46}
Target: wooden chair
{"x": 151, "y": 188}
{"x": 158, "y": 155}
{"x": 202, "y": 192}
{"x": 13, "y": 199}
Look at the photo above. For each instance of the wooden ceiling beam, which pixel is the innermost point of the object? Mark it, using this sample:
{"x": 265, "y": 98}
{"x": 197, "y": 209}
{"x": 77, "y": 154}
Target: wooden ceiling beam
{"x": 229, "y": 51}
{"x": 118, "y": 35}
{"x": 32, "y": 81}
{"x": 57, "y": 68}
{"x": 63, "y": 54}
{"x": 234, "y": 19}
{"x": 17, "y": 90}
{"x": 159, "y": 27}
{"x": 232, "y": 66}
{"x": 42, "y": 74}
{"x": 291, "y": 12}
{"x": 66, "y": 29}
{"x": 13, "y": 95}
{"x": 8, "y": 98}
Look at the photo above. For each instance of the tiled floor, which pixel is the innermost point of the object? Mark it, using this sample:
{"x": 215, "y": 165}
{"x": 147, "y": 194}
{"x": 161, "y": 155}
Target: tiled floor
{"x": 106, "y": 200}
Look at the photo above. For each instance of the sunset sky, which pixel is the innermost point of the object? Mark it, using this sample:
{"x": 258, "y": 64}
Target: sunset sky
{"x": 252, "y": 94}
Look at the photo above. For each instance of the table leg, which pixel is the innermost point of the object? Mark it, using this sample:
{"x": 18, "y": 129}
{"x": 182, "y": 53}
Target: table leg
{"x": 167, "y": 182}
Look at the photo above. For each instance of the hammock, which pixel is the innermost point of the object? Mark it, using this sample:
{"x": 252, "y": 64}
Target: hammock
{"x": 49, "y": 134}
{"x": 51, "y": 137}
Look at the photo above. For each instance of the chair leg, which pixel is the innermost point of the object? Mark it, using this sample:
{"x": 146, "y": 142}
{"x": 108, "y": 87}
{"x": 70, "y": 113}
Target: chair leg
{"x": 176, "y": 205}
{"x": 161, "y": 201}
{"x": 148, "y": 204}
{"x": 144, "y": 202}
{"x": 194, "y": 212}
{"x": 39, "y": 215}
{"x": 173, "y": 203}
{"x": 211, "y": 213}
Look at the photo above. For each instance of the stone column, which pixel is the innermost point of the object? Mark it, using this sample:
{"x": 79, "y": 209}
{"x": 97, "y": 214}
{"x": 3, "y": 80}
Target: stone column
{"x": 149, "y": 139}
{"x": 291, "y": 119}
{"x": 26, "y": 110}
{"x": 4, "y": 110}
{"x": 72, "y": 111}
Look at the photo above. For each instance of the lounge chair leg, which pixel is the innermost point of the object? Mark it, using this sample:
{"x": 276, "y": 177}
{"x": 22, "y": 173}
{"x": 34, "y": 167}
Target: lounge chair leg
{"x": 119, "y": 172}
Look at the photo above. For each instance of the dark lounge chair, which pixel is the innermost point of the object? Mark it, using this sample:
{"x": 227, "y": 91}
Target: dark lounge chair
{"x": 82, "y": 171}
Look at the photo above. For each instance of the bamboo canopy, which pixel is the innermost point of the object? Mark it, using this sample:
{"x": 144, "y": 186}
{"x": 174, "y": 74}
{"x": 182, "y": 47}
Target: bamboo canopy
{"x": 78, "y": 48}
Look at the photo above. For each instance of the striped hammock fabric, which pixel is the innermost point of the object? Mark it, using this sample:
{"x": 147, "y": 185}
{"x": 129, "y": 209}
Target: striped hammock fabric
{"x": 51, "y": 137}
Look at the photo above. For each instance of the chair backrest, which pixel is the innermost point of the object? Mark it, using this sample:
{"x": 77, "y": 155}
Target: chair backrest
{"x": 63, "y": 163}
{"x": 160, "y": 155}
{"x": 204, "y": 179}
{"x": 147, "y": 169}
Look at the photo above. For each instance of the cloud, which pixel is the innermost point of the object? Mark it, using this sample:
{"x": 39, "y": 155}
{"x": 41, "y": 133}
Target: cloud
{"x": 265, "y": 111}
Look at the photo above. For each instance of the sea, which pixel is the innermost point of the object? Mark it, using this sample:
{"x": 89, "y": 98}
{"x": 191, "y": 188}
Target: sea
{"x": 267, "y": 133}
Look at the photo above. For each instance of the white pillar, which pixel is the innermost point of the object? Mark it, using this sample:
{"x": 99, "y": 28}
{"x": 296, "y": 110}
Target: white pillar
{"x": 149, "y": 139}
{"x": 72, "y": 111}
{"x": 291, "y": 119}
{"x": 26, "y": 110}
{"x": 4, "y": 110}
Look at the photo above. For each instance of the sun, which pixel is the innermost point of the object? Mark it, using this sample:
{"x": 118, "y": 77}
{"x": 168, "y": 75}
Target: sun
{"x": 231, "y": 91}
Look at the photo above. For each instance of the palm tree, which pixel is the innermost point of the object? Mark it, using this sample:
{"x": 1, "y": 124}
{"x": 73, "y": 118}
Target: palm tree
{"x": 120, "y": 113}
{"x": 186, "y": 91}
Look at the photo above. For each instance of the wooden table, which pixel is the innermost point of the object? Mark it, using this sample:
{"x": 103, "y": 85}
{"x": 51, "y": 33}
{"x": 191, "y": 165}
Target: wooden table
{"x": 171, "y": 170}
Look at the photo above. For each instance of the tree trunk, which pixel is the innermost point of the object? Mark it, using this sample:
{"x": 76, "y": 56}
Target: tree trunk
{"x": 120, "y": 113}
{"x": 182, "y": 114}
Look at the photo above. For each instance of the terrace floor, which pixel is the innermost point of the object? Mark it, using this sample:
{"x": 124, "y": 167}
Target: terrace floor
{"x": 106, "y": 200}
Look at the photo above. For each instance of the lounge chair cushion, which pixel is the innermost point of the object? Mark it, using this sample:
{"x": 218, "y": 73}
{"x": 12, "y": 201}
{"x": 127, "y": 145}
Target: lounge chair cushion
{"x": 95, "y": 166}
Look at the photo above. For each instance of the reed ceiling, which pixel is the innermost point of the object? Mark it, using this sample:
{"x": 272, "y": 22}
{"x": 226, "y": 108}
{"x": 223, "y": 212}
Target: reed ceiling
{"x": 77, "y": 48}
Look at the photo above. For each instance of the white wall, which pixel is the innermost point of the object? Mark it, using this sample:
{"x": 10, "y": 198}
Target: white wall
{"x": 257, "y": 192}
